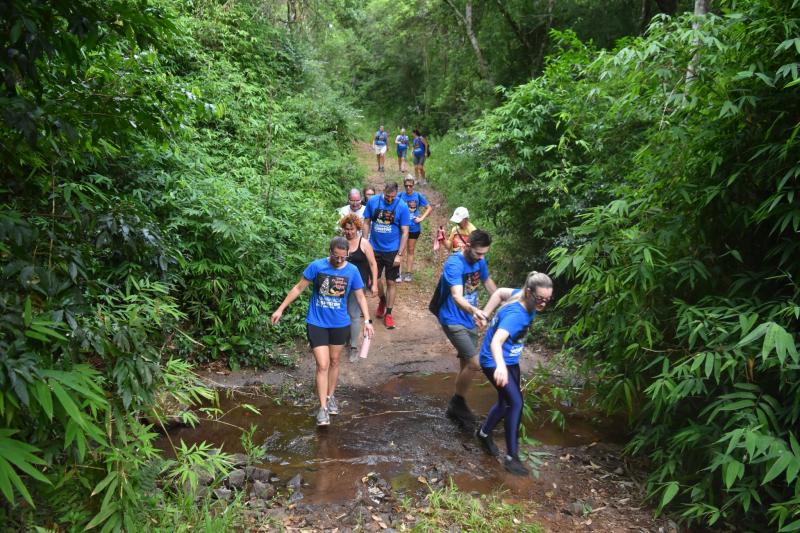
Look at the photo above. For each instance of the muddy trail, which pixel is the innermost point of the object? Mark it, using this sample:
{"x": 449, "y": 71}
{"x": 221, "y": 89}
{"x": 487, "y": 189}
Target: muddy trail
{"x": 374, "y": 466}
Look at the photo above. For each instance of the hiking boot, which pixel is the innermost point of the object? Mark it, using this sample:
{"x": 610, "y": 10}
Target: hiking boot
{"x": 353, "y": 354}
{"x": 322, "y": 417}
{"x": 515, "y": 466}
{"x": 458, "y": 411}
{"x": 333, "y": 405}
{"x": 407, "y": 277}
{"x": 388, "y": 321}
{"x": 487, "y": 443}
{"x": 381, "y": 309}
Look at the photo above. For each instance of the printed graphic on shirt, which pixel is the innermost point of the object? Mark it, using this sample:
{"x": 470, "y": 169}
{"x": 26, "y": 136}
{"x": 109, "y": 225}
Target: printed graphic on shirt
{"x": 384, "y": 218}
{"x": 471, "y": 282}
{"x": 330, "y": 290}
{"x": 412, "y": 205}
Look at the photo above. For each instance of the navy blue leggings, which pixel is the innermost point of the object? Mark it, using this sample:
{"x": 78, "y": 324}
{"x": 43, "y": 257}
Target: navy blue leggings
{"x": 508, "y": 406}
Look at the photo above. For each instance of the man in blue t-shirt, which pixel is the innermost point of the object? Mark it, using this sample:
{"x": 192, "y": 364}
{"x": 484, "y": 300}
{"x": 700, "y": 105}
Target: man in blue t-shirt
{"x": 379, "y": 144}
{"x": 462, "y": 275}
{"x": 386, "y": 220}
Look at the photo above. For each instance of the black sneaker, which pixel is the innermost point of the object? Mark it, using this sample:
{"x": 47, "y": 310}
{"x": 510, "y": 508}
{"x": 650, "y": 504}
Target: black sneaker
{"x": 515, "y": 466}
{"x": 487, "y": 443}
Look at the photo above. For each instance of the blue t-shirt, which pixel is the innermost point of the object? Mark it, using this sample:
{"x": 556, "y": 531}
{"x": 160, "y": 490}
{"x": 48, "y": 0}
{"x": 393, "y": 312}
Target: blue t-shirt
{"x": 419, "y": 148}
{"x": 457, "y": 271}
{"x": 385, "y": 222}
{"x": 402, "y": 142}
{"x": 330, "y": 289}
{"x": 515, "y": 319}
{"x": 380, "y": 138}
{"x": 415, "y": 201}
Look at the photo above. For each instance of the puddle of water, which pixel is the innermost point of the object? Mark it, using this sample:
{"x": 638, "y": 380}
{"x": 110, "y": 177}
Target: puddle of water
{"x": 395, "y": 430}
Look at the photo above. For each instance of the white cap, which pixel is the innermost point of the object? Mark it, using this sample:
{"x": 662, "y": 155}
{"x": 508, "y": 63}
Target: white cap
{"x": 459, "y": 214}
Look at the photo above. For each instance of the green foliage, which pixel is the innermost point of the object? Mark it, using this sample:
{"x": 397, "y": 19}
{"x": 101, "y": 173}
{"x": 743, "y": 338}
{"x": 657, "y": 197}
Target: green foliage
{"x": 413, "y": 63}
{"x": 167, "y": 169}
{"x": 660, "y": 181}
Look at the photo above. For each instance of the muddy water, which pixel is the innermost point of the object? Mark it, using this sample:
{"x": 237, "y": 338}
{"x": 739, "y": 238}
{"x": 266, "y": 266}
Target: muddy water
{"x": 397, "y": 429}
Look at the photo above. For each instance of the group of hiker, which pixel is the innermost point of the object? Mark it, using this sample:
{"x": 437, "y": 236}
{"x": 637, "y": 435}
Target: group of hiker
{"x": 420, "y": 150}
{"x": 374, "y": 253}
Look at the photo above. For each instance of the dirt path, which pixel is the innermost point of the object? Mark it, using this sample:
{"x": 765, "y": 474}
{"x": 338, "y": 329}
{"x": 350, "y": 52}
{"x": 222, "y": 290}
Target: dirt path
{"x": 393, "y": 428}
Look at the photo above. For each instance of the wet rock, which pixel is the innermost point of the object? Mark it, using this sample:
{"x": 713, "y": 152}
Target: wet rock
{"x": 239, "y": 459}
{"x": 223, "y": 494}
{"x": 203, "y": 480}
{"x": 262, "y": 490}
{"x": 236, "y": 479}
{"x": 295, "y": 483}
{"x": 295, "y": 497}
{"x": 272, "y": 458}
{"x": 258, "y": 474}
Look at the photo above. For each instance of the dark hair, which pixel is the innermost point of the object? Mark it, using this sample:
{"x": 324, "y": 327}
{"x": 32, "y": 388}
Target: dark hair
{"x": 417, "y": 133}
{"x": 353, "y": 219}
{"x": 390, "y": 186}
{"x": 480, "y": 238}
{"x": 338, "y": 242}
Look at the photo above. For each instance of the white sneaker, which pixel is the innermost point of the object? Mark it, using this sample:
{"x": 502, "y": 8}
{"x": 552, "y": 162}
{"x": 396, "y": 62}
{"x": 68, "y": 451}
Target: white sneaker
{"x": 322, "y": 417}
{"x": 333, "y": 406}
{"x": 407, "y": 277}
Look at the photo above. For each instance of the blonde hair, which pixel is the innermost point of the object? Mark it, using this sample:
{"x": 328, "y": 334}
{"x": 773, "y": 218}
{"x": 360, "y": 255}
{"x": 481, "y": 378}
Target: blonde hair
{"x": 533, "y": 281}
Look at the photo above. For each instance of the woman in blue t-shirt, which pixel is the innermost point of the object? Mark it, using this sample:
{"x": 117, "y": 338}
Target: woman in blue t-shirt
{"x": 499, "y": 359}
{"x": 402, "y": 147}
{"x": 327, "y": 320}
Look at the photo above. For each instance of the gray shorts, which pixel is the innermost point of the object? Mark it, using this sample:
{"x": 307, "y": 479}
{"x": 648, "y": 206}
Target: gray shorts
{"x": 465, "y": 340}
{"x": 418, "y": 159}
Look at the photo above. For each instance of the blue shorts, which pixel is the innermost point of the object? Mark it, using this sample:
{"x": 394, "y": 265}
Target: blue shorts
{"x": 401, "y": 152}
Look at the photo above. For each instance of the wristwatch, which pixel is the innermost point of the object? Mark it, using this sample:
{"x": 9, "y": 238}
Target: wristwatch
{"x": 367, "y": 321}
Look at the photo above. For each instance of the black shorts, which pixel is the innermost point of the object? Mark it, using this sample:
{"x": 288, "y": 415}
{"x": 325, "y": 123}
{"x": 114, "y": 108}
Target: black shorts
{"x": 414, "y": 234}
{"x": 385, "y": 260}
{"x": 318, "y": 336}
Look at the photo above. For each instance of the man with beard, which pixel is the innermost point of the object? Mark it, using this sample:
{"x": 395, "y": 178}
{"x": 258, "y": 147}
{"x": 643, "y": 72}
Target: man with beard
{"x": 463, "y": 273}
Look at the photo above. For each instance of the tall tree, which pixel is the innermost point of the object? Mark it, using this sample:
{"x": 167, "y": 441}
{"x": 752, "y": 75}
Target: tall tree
{"x": 466, "y": 20}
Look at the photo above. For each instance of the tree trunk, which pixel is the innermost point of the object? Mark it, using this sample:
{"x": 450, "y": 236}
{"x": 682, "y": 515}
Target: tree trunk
{"x": 545, "y": 36}
{"x": 701, "y": 7}
{"x": 466, "y": 20}
{"x": 647, "y": 14}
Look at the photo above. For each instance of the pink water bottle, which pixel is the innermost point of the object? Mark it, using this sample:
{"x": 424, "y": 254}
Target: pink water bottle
{"x": 364, "y": 346}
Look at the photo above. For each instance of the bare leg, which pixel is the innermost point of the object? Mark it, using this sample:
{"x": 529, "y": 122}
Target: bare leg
{"x": 411, "y": 246}
{"x": 390, "y": 292}
{"x": 333, "y": 370}
{"x": 323, "y": 359}
{"x": 465, "y": 373}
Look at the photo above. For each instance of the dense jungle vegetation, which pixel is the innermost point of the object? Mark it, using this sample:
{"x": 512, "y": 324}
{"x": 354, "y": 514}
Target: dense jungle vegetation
{"x": 169, "y": 165}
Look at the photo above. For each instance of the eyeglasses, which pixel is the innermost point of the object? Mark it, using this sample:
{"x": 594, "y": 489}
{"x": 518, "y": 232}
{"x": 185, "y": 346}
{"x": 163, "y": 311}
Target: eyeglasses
{"x": 540, "y": 300}
{"x": 408, "y": 185}
{"x": 338, "y": 258}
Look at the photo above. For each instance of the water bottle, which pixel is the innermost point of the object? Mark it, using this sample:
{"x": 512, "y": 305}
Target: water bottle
{"x": 365, "y": 342}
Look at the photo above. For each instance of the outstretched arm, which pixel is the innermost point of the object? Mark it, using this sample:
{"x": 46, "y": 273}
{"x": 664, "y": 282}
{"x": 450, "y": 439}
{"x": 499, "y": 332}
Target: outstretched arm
{"x": 498, "y": 297}
{"x": 296, "y": 291}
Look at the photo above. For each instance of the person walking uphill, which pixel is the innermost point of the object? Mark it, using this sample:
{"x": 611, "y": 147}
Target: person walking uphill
{"x": 459, "y": 312}
{"x": 327, "y": 321}
{"x": 386, "y": 224}
{"x": 379, "y": 144}
{"x": 499, "y": 359}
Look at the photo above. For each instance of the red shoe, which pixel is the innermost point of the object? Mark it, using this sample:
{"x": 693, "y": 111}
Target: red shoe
{"x": 381, "y": 310}
{"x": 388, "y": 321}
